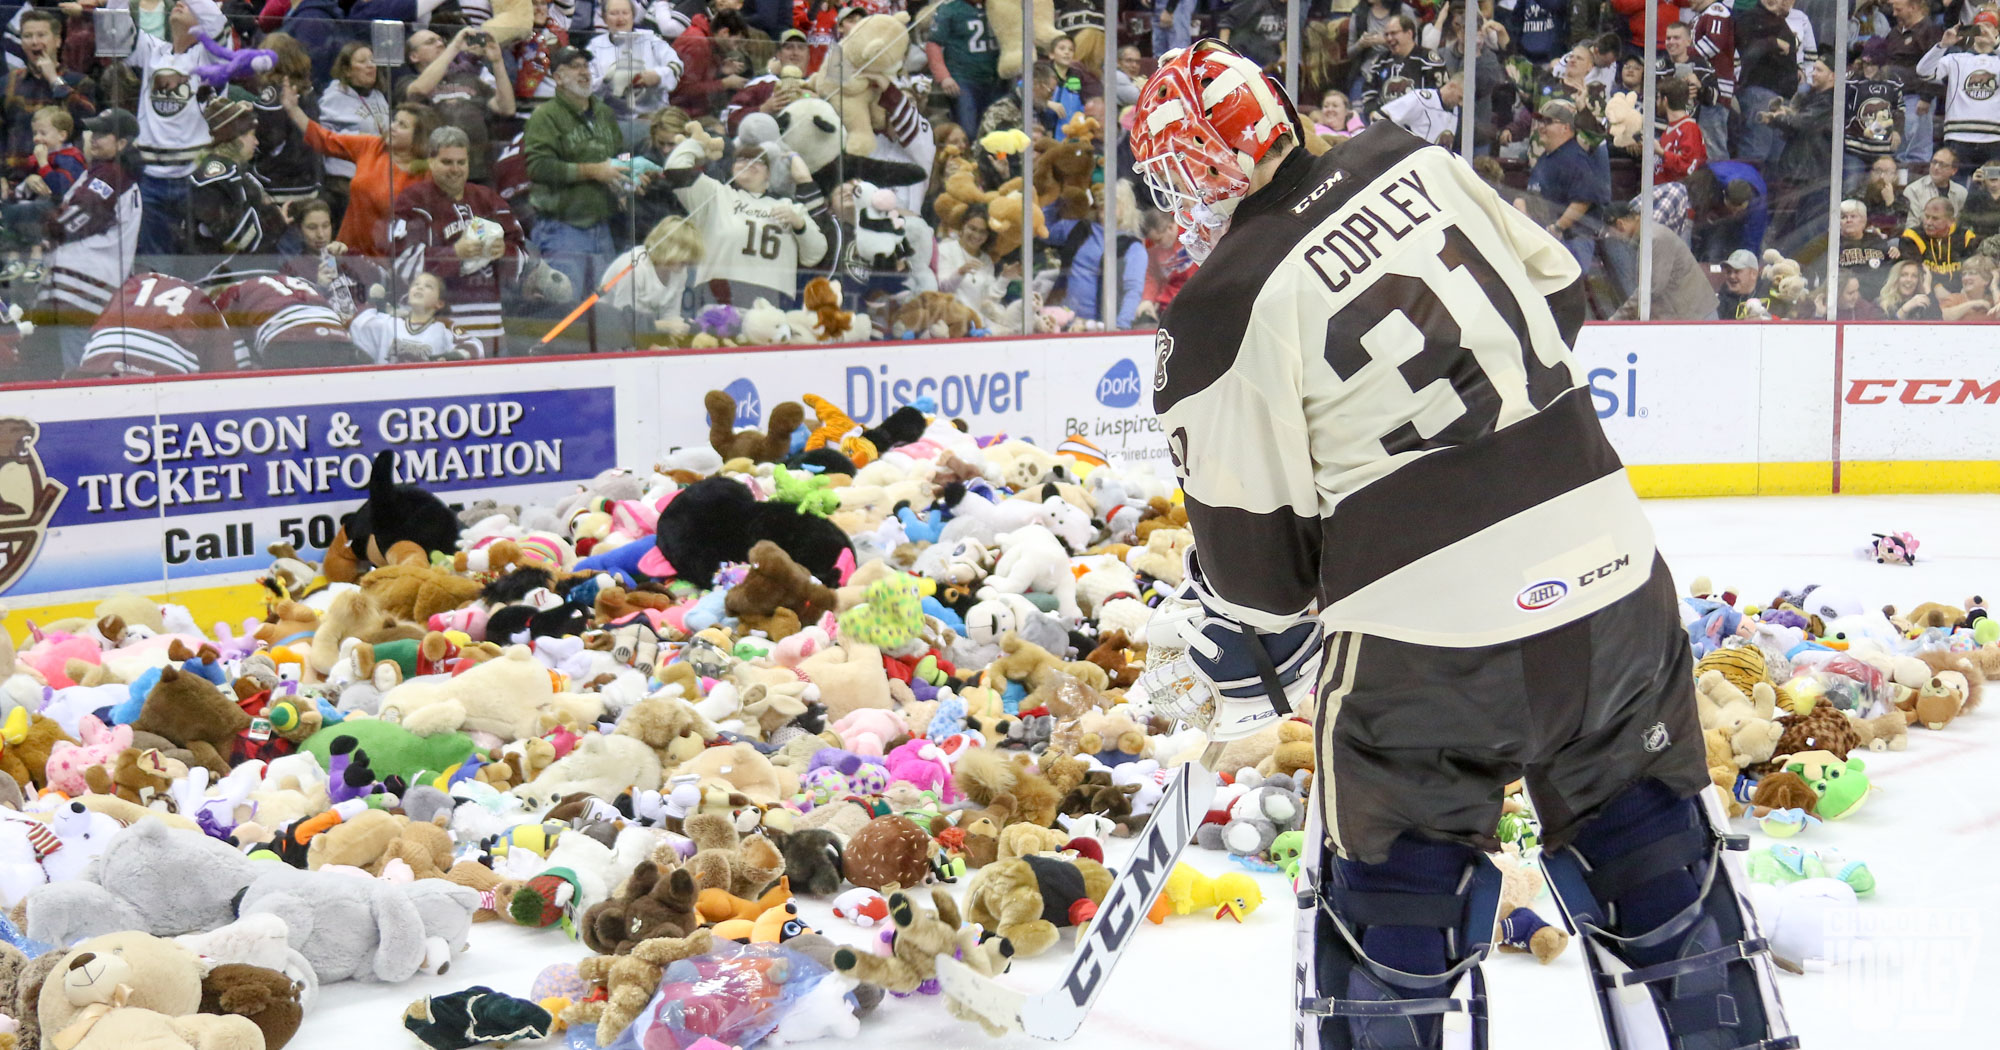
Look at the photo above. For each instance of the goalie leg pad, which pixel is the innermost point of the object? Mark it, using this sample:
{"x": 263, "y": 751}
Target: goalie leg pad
{"x": 1389, "y": 953}
{"x": 1651, "y": 885}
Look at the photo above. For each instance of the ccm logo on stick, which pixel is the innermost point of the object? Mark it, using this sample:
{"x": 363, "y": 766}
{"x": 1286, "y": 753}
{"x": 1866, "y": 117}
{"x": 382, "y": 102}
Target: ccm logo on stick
{"x": 1922, "y": 391}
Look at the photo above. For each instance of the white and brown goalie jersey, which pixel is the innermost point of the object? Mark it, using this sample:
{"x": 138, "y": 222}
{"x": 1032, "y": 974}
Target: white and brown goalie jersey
{"x": 1369, "y": 396}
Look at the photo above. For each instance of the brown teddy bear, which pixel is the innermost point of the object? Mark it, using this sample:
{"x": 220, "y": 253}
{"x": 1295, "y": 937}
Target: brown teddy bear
{"x": 988, "y": 776}
{"x": 654, "y": 902}
{"x": 667, "y": 724}
{"x": 1063, "y": 169}
{"x": 629, "y": 981}
{"x": 267, "y": 998}
{"x": 1030, "y": 664}
{"x": 1113, "y": 730}
{"x": 1295, "y": 750}
{"x": 1113, "y": 653}
{"x": 27, "y": 759}
{"x": 724, "y": 860}
{"x": 189, "y": 712}
{"x": 935, "y": 315}
{"x": 1024, "y": 899}
{"x": 137, "y": 777}
{"x": 776, "y": 583}
{"x": 1161, "y": 514}
{"x": 770, "y": 446}
{"x": 415, "y": 593}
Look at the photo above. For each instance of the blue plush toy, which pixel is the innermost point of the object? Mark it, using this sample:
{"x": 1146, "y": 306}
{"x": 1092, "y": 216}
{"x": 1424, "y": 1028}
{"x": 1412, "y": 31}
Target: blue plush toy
{"x": 921, "y": 529}
{"x": 1011, "y": 697}
{"x": 944, "y": 614}
{"x": 949, "y": 718}
{"x": 621, "y": 562}
{"x": 1713, "y": 621}
{"x": 708, "y": 611}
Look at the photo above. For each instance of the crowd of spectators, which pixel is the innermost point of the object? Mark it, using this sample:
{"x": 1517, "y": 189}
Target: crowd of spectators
{"x": 454, "y": 187}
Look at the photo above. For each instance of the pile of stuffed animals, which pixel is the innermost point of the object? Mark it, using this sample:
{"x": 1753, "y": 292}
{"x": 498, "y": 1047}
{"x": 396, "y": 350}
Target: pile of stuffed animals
{"x": 883, "y": 667}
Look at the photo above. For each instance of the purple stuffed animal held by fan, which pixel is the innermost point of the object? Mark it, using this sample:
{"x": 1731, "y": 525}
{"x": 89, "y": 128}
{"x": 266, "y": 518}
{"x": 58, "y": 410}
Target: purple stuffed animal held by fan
{"x": 234, "y": 65}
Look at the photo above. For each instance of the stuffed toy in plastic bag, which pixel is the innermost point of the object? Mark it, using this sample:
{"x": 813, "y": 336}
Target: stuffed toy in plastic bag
{"x": 736, "y": 995}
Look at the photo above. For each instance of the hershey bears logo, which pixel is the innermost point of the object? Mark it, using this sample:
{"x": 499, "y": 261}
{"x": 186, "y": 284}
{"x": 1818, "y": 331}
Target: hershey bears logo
{"x": 1877, "y": 120}
{"x": 1981, "y": 85}
{"x": 171, "y": 93}
{"x": 1163, "y": 348}
{"x": 28, "y": 498}
{"x": 1397, "y": 86}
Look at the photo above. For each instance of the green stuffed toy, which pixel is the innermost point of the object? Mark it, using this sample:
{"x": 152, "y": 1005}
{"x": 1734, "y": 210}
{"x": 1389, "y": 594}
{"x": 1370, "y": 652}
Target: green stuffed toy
{"x": 890, "y": 616}
{"x": 392, "y": 750}
{"x": 811, "y": 493}
{"x": 1841, "y": 786}
{"x": 1781, "y": 864}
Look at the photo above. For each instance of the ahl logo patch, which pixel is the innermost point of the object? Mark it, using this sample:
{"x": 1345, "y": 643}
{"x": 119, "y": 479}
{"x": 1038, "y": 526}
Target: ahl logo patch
{"x": 28, "y": 498}
{"x": 1541, "y": 594}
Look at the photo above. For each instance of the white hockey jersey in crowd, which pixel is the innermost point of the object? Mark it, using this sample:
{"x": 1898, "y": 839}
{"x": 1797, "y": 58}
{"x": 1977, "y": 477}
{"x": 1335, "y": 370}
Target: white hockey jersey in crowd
{"x": 1369, "y": 396}
{"x": 388, "y": 339}
{"x": 171, "y": 128}
{"x": 750, "y": 237}
{"x": 1971, "y": 92}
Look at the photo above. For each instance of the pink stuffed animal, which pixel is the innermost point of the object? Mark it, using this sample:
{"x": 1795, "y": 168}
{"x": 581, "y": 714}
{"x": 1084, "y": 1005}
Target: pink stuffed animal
{"x": 867, "y": 730}
{"x": 922, "y": 764}
{"x": 100, "y": 746}
{"x": 54, "y": 649}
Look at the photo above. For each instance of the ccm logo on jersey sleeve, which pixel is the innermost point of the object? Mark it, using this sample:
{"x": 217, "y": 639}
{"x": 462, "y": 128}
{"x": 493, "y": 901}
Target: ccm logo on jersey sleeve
{"x": 1541, "y": 594}
{"x": 1604, "y": 570}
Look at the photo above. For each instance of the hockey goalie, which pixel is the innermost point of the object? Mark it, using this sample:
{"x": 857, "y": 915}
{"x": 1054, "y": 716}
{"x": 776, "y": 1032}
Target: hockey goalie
{"x": 1407, "y": 517}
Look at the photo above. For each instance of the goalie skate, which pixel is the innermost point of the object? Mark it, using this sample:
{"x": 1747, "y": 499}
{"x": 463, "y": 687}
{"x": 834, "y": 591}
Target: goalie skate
{"x": 1057, "y": 1013}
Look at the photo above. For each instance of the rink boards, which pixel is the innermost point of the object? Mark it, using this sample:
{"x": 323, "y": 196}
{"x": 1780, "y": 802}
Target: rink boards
{"x": 177, "y": 487}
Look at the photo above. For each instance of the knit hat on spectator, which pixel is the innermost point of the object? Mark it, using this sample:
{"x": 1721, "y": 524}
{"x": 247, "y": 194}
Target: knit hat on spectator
{"x": 228, "y": 118}
{"x": 114, "y": 121}
{"x": 1740, "y": 259}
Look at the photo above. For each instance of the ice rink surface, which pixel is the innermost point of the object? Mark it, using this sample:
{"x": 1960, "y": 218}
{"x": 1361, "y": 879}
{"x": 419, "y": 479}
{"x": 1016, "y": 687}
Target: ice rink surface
{"x": 1925, "y": 941}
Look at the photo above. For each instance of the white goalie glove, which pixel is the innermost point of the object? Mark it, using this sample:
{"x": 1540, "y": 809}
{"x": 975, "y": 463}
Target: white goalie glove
{"x": 1222, "y": 676}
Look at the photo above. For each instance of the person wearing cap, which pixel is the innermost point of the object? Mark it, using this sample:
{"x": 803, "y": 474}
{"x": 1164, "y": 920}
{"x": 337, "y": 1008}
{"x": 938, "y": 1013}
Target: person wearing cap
{"x": 1742, "y": 281}
{"x": 384, "y": 165}
{"x": 229, "y": 213}
{"x": 1681, "y": 291}
{"x": 568, "y": 144}
{"x": 42, "y": 81}
{"x": 965, "y": 59}
{"x": 1875, "y": 116}
{"x": 634, "y": 69}
{"x": 94, "y": 232}
{"x": 762, "y": 94}
{"x": 1942, "y": 182}
{"x": 1567, "y": 187}
{"x": 1971, "y": 82}
{"x": 172, "y": 131}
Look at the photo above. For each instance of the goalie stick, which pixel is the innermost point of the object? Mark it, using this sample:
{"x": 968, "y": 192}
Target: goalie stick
{"x": 1057, "y": 1013}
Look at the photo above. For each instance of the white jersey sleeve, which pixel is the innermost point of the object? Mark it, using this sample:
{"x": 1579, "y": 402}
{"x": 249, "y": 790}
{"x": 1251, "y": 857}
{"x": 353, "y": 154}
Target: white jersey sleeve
{"x": 1369, "y": 395}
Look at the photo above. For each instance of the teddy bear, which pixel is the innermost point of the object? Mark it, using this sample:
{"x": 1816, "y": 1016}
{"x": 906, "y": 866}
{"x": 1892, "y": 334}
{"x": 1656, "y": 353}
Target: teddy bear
{"x": 776, "y": 584}
{"x": 350, "y": 928}
{"x": 1063, "y": 170}
{"x": 1271, "y": 806}
{"x": 1749, "y": 721}
{"x": 858, "y": 70}
{"x": 417, "y": 592}
{"x": 505, "y": 697}
{"x": 266, "y": 998}
{"x": 1028, "y": 899}
{"x": 994, "y": 779}
{"x": 934, "y": 315}
{"x": 603, "y": 764}
{"x": 657, "y": 900}
{"x": 742, "y": 865}
{"x": 627, "y": 982}
{"x": 770, "y": 446}
{"x": 1112, "y": 736}
{"x": 129, "y": 989}
{"x": 1295, "y": 750}
{"x": 1006, "y": 22}
{"x": 29, "y": 741}
{"x": 1884, "y": 732}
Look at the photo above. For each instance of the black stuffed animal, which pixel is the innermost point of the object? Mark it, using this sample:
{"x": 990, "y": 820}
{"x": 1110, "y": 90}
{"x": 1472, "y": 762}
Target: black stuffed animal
{"x": 902, "y": 427}
{"x": 812, "y": 860}
{"x": 561, "y": 621}
{"x": 717, "y": 520}
{"x": 393, "y": 513}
